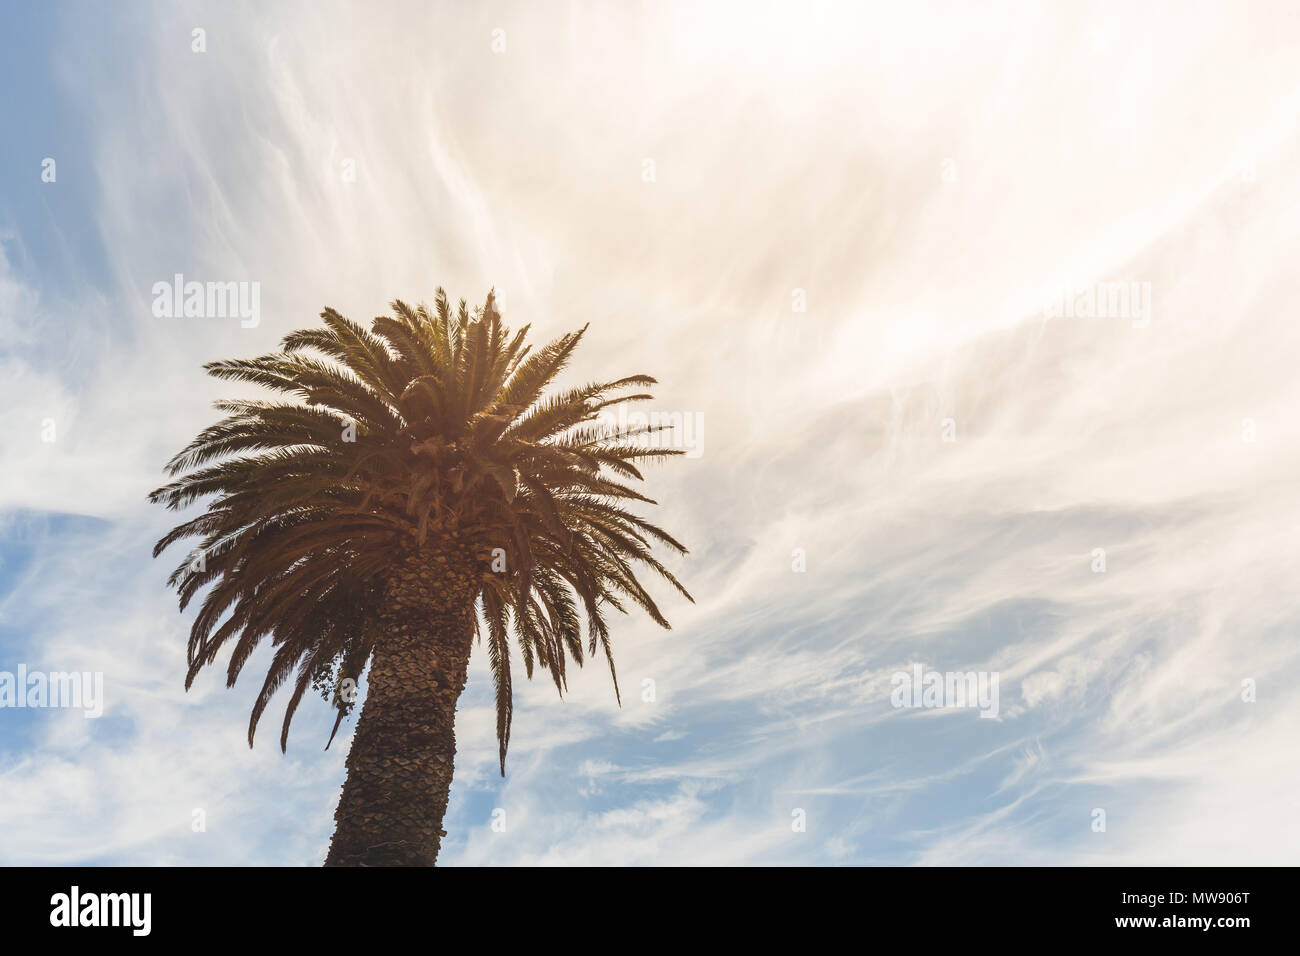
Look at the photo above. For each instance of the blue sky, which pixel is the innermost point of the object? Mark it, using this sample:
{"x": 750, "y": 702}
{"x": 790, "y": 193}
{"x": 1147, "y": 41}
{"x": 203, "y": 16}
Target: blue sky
{"x": 941, "y": 454}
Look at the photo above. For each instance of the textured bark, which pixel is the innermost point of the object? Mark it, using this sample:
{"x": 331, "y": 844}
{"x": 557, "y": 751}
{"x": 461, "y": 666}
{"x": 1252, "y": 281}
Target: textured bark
{"x": 400, "y": 765}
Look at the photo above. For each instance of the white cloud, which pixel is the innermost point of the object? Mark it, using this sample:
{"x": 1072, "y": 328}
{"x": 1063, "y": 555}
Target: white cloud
{"x": 793, "y": 150}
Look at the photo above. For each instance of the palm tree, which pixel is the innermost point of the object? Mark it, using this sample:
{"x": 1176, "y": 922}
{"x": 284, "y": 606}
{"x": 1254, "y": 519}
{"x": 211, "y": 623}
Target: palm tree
{"x": 413, "y": 480}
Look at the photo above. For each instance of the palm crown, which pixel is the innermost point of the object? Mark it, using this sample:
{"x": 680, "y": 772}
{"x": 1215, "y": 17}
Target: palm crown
{"x": 428, "y": 434}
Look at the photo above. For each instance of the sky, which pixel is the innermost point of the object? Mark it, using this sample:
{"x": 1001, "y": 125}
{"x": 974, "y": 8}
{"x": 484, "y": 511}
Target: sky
{"x": 857, "y": 245}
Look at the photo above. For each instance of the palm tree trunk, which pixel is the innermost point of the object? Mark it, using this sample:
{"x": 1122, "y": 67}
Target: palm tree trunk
{"x": 400, "y": 765}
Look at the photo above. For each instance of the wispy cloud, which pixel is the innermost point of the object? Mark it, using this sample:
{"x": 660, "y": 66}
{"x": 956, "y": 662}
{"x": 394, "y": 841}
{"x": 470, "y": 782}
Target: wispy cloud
{"x": 832, "y": 231}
